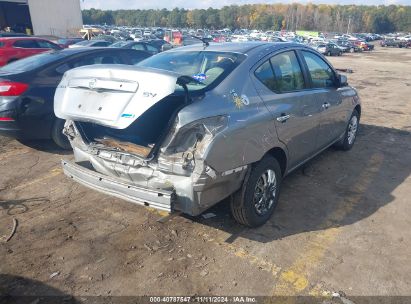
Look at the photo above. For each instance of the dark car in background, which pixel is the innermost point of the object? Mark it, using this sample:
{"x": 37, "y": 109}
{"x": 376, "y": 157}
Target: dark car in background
{"x": 333, "y": 50}
{"x": 27, "y": 89}
{"x": 140, "y": 45}
{"x": 328, "y": 49}
{"x": 90, "y": 43}
{"x": 160, "y": 44}
{"x": 14, "y": 48}
{"x": 66, "y": 42}
{"x": 395, "y": 43}
{"x": 351, "y": 47}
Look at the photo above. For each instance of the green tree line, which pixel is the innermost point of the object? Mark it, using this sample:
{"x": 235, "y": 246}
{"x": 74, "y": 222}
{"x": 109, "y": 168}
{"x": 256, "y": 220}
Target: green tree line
{"x": 322, "y": 17}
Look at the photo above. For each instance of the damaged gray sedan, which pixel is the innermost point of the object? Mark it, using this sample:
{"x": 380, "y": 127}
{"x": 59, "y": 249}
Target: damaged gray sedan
{"x": 189, "y": 127}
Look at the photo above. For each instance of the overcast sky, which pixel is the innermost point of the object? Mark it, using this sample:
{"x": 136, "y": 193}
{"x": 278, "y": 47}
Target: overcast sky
{"x": 189, "y": 4}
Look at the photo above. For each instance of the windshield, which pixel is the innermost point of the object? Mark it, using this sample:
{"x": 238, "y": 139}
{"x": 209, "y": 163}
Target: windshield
{"x": 208, "y": 68}
{"x": 32, "y": 62}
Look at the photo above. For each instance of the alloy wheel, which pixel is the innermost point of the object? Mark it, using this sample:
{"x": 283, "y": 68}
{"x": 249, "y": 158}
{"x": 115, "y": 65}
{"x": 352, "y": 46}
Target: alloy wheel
{"x": 265, "y": 191}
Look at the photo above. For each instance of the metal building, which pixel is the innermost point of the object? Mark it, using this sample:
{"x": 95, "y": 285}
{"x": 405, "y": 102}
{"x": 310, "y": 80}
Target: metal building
{"x": 42, "y": 17}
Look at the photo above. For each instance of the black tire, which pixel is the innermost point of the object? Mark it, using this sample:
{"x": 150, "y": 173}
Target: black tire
{"x": 242, "y": 202}
{"x": 57, "y": 135}
{"x": 345, "y": 144}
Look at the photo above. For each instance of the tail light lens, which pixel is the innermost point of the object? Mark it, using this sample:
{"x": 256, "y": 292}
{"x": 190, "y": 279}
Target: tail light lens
{"x": 9, "y": 88}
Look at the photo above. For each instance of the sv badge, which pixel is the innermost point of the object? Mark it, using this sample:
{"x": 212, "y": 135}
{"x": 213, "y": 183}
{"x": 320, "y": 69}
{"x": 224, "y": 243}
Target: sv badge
{"x": 149, "y": 94}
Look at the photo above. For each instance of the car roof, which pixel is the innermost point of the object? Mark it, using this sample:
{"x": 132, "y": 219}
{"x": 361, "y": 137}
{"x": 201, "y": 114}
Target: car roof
{"x": 73, "y": 51}
{"x": 237, "y": 47}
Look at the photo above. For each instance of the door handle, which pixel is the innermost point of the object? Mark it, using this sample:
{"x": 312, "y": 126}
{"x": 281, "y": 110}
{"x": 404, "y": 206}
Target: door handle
{"x": 326, "y": 105}
{"x": 283, "y": 117}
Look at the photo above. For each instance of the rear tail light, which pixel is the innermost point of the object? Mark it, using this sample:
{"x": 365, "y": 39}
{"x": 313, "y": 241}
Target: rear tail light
{"x": 6, "y": 119}
{"x": 7, "y": 116}
{"x": 9, "y": 88}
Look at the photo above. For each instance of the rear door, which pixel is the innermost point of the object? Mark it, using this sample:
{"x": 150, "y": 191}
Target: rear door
{"x": 323, "y": 82}
{"x": 296, "y": 112}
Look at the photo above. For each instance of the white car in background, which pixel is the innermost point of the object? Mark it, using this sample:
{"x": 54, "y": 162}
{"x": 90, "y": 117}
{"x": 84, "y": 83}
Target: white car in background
{"x": 405, "y": 38}
{"x": 241, "y": 38}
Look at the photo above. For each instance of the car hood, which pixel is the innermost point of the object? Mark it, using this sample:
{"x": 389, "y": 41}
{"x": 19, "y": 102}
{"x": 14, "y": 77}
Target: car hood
{"x": 111, "y": 95}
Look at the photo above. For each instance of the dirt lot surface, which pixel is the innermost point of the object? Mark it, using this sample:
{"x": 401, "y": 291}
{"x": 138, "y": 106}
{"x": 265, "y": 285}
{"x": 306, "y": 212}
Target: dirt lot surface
{"x": 342, "y": 224}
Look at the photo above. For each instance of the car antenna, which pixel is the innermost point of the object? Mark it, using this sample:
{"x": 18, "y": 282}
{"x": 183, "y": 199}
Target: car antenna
{"x": 204, "y": 40}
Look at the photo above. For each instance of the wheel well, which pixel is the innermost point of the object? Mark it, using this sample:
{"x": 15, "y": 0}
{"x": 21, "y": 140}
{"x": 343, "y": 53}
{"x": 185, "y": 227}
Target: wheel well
{"x": 281, "y": 157}
{"x": 358, "y": 108}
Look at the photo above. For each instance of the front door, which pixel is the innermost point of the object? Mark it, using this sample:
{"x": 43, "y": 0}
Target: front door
{"x": 325, "y": 89}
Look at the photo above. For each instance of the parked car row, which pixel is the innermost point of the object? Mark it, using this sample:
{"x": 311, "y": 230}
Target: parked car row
{"x": 392, "y": 42}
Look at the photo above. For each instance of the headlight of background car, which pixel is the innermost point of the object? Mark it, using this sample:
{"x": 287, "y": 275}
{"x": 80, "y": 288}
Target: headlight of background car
{"x": 190, "y": 142}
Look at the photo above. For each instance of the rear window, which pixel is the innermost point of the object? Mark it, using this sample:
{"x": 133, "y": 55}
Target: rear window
{"x": 26, "y": 44}
{"x": 32, "y": 62}
{"x": 120, "y": 44}
{"x": 85, "y": 42}
{"x": 101, "y": 43}
{"x": 207, "y": 67}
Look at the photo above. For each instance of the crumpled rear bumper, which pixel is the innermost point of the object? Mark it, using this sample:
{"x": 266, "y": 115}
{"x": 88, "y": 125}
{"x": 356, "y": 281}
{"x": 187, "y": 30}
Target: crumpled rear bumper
{"x": 157, "y": 198}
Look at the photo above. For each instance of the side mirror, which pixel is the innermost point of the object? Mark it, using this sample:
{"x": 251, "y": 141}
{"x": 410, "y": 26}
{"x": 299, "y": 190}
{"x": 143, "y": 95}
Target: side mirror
{"x": 342, "y": 80}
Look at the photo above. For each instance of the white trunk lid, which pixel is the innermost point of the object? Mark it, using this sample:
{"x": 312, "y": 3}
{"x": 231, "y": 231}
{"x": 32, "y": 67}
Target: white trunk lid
{"x": 111, "y": 95}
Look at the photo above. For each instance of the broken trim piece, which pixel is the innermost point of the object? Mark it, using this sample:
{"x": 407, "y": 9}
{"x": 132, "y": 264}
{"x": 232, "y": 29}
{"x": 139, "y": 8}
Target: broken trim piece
{"x": 125, "y": 146}
{"x": 159, "y": 199}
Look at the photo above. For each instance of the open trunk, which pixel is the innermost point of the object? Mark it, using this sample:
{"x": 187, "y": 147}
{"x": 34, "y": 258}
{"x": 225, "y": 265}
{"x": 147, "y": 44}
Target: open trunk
{"x": 142, "y": 135}
{"x": 122, "y": 108}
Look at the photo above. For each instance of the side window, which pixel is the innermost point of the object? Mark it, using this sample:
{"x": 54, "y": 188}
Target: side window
{"x": 102, "y": 43}
{"x": 265, "y": 74}
{"x": 134, "y": 58}
{"x": 151, "y": 49}
{"x": 26, "y": 44}
{"x": 322, "y": 76}
{"x": 138, "y": 47}
{"x": 45, "y": 45}
{"x": 287, "y": 72}
{"x": 281, "y": 73}
{"x": 61, "y": 69}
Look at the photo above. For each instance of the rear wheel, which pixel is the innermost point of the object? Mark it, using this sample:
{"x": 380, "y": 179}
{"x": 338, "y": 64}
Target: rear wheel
{"x": 347, "y": 142}
{"x": 255, "y": 202}
{"x": 57, "y": 134}
{"x": 329, "y": 53}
